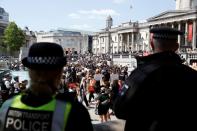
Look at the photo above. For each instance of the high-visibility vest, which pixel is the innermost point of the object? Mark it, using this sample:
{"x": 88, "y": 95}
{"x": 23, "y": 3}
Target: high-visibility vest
{"x": 16, "y": 115}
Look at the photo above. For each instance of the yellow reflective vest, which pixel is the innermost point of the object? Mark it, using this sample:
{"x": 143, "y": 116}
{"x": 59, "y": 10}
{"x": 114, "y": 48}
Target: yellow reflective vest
{"x": 17, "y": 116}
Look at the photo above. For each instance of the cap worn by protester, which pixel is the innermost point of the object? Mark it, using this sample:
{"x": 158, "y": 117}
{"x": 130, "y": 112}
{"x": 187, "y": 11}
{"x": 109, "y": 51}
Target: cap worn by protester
{"x": 103, "y": 89}
{"x": 45, "y": 55}
{"x": 165, "y": 33}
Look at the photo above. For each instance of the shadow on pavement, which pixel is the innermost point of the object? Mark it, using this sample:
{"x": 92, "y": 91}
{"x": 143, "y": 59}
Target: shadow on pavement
{"x": 116, "y": 125}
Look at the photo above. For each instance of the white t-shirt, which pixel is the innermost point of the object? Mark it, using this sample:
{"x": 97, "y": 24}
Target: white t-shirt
{"x": 114, "y": 77}
{"x": 7, "y": 84}
{"x": 98, "y": 77}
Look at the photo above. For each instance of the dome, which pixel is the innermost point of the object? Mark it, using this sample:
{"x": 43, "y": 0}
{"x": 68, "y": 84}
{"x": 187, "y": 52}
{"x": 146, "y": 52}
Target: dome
{"x": 109, "y": 18}
{"x": 2, "y": 11}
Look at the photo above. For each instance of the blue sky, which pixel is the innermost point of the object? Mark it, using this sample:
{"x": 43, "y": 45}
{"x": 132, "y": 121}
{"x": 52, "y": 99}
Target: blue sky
{"x": 89, "y": 15}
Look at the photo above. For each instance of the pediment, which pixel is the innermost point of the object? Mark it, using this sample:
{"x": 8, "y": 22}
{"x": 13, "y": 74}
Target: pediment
{"x": 167, "y": 14}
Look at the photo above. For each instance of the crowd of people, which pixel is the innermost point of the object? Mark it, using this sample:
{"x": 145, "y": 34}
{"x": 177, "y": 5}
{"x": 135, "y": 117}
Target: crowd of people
{"x": 94, "y": 84}
{"x": 10, "y": 86}
{"x": 84, "y": 78}
{"x": 150, "y": 98}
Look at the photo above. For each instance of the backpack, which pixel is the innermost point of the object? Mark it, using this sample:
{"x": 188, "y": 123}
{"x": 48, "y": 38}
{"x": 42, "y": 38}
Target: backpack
{"x": 105, "y": 102}
{"x": 104, "y": 99}
{"x": 133, "y": 81}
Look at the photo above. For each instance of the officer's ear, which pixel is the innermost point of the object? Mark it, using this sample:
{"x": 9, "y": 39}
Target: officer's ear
{"x": 176, "y": 46}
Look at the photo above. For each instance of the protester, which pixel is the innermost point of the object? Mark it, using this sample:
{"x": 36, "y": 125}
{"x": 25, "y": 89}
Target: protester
{"x": 23, "y": 85}
{"x": 40, "y": 108}
{"x": 16, "y": 85}
{"x": 159, "y": 95}
{"x": 103, "y": 104}
{"x": 83, "y": 90}
{"x": 91, "y": 88}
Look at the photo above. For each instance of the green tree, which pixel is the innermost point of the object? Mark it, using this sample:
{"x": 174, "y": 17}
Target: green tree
{"x": 2, "y": 45}
{"x": 1, "y": 41}
{"x": 13, "y": 38}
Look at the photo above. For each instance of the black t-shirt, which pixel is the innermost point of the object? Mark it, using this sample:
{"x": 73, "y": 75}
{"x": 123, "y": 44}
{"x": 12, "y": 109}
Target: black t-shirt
{"x": 122, "y": 77}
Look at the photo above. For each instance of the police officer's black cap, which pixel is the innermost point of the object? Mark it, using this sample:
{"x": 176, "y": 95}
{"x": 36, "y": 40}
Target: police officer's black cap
{"x": 165, "y": 33}
{"x": 45, "y": 55}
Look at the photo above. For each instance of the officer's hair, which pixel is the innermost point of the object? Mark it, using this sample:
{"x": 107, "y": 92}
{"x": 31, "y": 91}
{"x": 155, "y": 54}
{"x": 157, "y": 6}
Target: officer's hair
{"x": 165, "y": 44}
{"x": 45, "y": 80}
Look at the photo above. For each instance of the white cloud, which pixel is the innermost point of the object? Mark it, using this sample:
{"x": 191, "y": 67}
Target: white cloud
{"x": 118, "y": 1}
{"x": 74, "y": 16}
{"x": 93, "y": 14}
{"x": 101, "y": 12}
{"x": 81, "y": 27}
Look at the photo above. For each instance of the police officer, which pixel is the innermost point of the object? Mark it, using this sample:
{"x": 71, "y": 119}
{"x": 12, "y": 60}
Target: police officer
{"x": 159, "y": 95}
{"x": 40, "y": 108}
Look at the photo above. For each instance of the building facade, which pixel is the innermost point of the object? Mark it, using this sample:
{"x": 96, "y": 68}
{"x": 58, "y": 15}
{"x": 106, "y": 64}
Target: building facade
{"x": 4, "y": 20}
{"x": 71, "y": 41}
{"x": 135, "y": 36}
{"x": 30, "y": 38}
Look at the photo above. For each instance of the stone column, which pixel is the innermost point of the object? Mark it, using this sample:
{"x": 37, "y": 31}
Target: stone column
{"x": 108, "y": 49}
{"x": 149, "y": 48}
{"x": 117, "y": 44}
{"x": 186, "y": 33}
{"x": 136, "y": 43}
{"x": 172, "y": 25}
{"x": 120, "y": 42}
{"x": 132, "y": 41}
{"x": 143, "y": 45}
{"x": 127, "y": 42}
{"x": 179, "y": 37}
{"x": 194, "y": 35}
{"x": 99, "y": 46}
{"x": 107, "y": 43}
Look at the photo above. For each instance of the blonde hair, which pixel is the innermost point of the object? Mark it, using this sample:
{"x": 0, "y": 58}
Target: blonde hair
{"x": 97, "y": 71}
{"x": 45, "y": 81}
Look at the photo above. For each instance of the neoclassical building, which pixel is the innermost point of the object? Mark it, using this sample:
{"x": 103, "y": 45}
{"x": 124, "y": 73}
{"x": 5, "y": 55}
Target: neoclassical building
{"x": 30, "y": 38}
{"x": 71, "y": 41}
{"x": 4, "y": 21}
{"x": 135, "y": 36}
